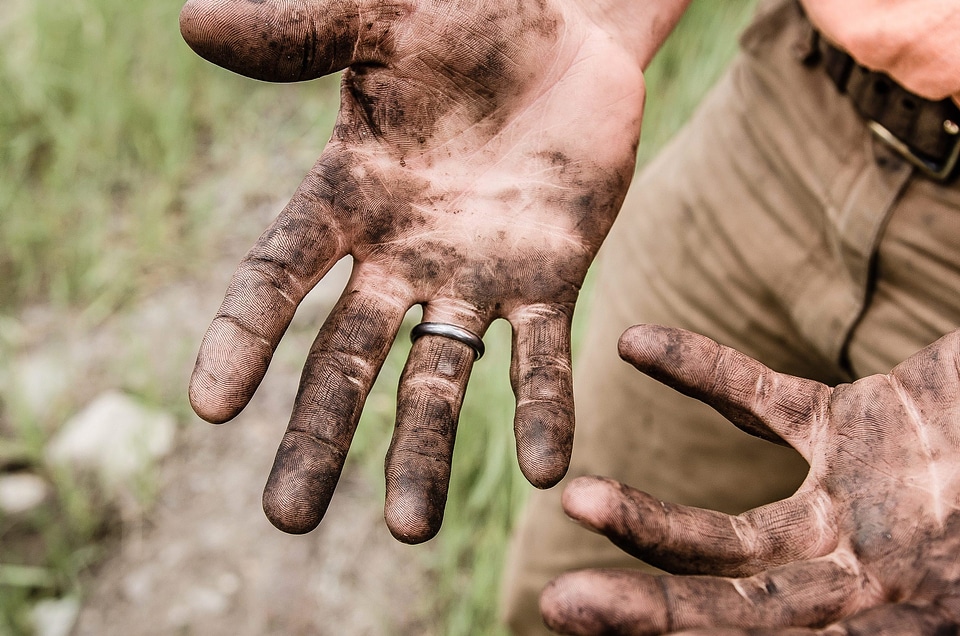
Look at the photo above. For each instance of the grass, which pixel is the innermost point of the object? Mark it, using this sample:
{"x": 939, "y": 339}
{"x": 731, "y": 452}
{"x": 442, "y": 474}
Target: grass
{"x": 109, "y": 126}
{"x": 107, "y": 120}
{"x": 94, "y": 149}
{"x": 43, "y": 553}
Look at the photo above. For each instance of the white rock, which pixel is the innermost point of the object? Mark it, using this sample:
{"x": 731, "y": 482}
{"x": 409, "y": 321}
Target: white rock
{"x": 114, "y": 437}
{"x": 21, "y": 492}
{"x": 55, "y": 617}
{"x": 39, "y": 381}
{"x": 138, "y": 586}
{"x": 196, "y": 603}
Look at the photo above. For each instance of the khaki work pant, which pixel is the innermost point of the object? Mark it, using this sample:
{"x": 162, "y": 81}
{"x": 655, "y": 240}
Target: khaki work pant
{"x": 776, "y": 224}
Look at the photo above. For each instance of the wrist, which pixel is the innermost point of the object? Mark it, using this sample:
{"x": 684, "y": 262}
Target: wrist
{"x": 638, "y": 26}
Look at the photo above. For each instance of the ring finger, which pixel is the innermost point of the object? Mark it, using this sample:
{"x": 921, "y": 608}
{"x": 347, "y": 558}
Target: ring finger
{"x": 430, "y": 395}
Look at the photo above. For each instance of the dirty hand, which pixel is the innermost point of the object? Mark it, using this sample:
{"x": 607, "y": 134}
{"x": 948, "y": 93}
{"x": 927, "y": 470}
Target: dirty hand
{"x": 481, "y": 153}
{"x": 869, "y": 544}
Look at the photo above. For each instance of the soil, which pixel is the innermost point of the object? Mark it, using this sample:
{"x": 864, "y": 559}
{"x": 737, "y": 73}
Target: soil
{"x": 206, "y": 561}
{"x": 203, "y": 559}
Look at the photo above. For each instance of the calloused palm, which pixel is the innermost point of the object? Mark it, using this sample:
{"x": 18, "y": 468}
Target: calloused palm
{"x": 480, "y": 156}
{"x": 869, "y": 544}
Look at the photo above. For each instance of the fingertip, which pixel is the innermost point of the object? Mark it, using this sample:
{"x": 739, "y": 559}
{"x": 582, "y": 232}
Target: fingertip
{"x": 543, "y": 467}
{"x": 544, "y": 432}
{"x": 301, "y": 483}
{"x": 272, "y": 41}
{"x": 235, "y": 36}
{"x": 554, "y": 606}
{"x": 289, "y": 515}
{"x": 543, "y": 474}
{"x": 628, "y": 340}
{"x": 416, "y": 496}
{"x": 411, "y": 522}
{"x": 229, "y": 368}
{"x": 191, "y": 25}
{"x": 583, "y": 490}
{"x": 604, "y": 602}
{"x": 187, "y": 15}
{"x": 567, "y": 608}
{"x": 586, "y": 500}
{"x": 636, "y": 342}
{"x": 203, "y": 400}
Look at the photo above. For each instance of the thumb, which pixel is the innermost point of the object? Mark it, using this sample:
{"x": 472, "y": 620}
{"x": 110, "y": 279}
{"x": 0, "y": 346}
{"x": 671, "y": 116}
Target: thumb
{"x": 287, "y": 40}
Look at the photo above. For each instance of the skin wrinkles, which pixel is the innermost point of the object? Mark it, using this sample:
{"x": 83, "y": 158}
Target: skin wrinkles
{"x": 485, "y": 51}
{"x": 915, "y": 417}
{"x": 870, "y": 543}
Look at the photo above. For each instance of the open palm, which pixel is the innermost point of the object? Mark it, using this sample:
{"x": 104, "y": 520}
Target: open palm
{"x": 869, "y": 544}
{"x": 480, "y": 155}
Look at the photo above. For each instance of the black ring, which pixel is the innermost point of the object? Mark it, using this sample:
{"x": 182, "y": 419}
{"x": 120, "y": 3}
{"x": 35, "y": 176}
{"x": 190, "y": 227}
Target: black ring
{"x": 454, "y": 332}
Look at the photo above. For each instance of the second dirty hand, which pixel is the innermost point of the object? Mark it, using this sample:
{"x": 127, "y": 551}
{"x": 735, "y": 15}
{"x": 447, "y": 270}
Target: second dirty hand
{"x": 480, "y": 155}
{"x": 869, "y": 543}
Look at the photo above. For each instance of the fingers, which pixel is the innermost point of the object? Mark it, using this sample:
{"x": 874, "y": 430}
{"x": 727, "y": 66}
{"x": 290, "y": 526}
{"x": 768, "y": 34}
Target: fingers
{"x": 756, "y": 631}
{"x": 430, "y": 395}
{"x": 903, "y": 619}
{"x": 760, "y": 401}
{"x": 686, "y": 540}
{"x": 340, "y": 370}
{"x": 287, "y": 40}
{"x": 286, "y": 262}
{"x": 628, "y": 602}
{"x": 540, "y": 372}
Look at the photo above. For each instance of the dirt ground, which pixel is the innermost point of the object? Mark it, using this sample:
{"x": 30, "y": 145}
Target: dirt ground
{"x": 204, "y": 560}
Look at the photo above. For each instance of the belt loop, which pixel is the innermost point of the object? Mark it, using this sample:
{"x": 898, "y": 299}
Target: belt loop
{"x": 807, "y": 47}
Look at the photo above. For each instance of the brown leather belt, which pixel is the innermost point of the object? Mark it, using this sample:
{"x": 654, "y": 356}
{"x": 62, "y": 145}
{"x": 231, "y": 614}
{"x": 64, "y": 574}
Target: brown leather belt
{"x": 926, "y": 133}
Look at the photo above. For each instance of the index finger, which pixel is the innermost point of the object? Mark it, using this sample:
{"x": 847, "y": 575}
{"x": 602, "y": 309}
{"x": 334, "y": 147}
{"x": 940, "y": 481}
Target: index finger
{"x": 803, "y": 593}
{"x": 770, "y": 405}
{"x": 261, "y": 299}
{"x": 687, "y": 540}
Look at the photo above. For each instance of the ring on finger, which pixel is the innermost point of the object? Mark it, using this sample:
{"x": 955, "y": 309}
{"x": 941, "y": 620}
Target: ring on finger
{"x": 453, "y": 332}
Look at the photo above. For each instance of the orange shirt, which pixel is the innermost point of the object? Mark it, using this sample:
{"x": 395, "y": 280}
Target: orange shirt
{"x": 917, "y": 42}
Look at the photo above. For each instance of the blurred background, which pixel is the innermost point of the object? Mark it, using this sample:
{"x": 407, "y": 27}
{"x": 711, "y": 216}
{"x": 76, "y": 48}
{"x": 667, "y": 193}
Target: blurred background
{"x": 133, "y": 177}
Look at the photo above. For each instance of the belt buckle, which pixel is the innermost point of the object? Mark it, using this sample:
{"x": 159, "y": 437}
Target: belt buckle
{"x": 939, "y": 171}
